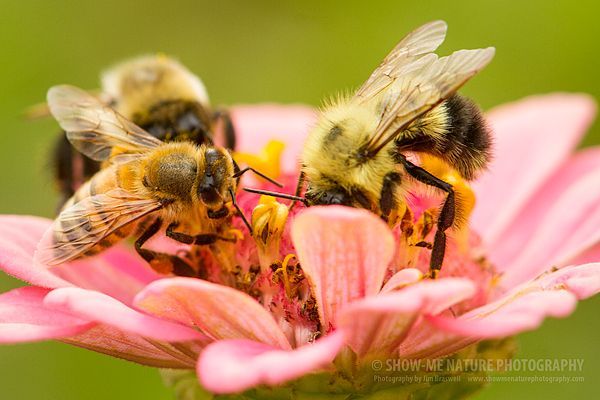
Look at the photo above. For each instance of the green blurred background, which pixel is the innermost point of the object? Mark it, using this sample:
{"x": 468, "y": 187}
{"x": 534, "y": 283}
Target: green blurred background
{"x": 258, "y": 51}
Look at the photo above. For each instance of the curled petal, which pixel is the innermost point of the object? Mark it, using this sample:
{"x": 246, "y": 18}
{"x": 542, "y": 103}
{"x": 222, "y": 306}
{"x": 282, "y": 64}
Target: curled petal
{"x": 522, "y": 314}
{"x": 533, "y": 137}
{"x": 402, "y": 278}
{"x": 581, "y": 280}
{"x": 525, "y": 307}
{"x": 19, "y": 236}
{"x": 219, "y": 311}
{"x": 344, "y": 253}
{"x": 257, "y": 125}
{"x": 380, "y": 323}
{"x": 98, "y": 307}
{"x": 24, "y": 318}
{"x": 230, "y": 366}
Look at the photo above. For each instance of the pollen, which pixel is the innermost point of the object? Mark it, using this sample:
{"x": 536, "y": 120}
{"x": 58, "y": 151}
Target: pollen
{"x": 465, "y": 197}
{"x": 235, "y": 233}
{"x": 268, "y": 161}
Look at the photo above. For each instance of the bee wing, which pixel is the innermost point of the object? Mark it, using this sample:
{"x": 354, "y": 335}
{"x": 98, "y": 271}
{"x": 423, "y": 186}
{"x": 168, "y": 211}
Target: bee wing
{"x": 83, "y": 225}
{"x": 416, "y": 93}
{"x": 94, "y": 128}
{"x": 403, "y": 58}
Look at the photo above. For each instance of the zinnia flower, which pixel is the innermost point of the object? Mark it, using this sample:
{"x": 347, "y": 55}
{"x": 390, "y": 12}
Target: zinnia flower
{"x": 317, "y": 300}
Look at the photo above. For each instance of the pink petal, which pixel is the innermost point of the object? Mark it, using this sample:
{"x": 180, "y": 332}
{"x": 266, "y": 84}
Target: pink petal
{"x": 19, "y": 236}
{"x": 402, "y": 278}
{"x": 581, "y": 280}
{"x": 24, "y": 318}
{"x": 230, "y": 366}
{"x": 98, "y": 307}
{"x": 378, "y": 324}
{"x": 344, "y": 253}
{"x": 570, "y": 225}
{"x": 219, "y": 311}
{"x": 588, "y": 256}
{"x": 533, "y": 137}
{"x": 523, "y": 314}
{"x": 118, "y": 272}
{"x": 524, "y": 308}
{"x": 114, "y": 342}
{"x": 522, "y": 230}
{"x": 257, "y": 125}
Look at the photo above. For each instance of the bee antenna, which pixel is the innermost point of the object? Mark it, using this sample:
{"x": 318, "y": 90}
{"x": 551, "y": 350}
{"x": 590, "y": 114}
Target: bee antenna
{"x": 277, "y": 194}
{"x": 243, "y": 171}
{"x": 237, "y": 207}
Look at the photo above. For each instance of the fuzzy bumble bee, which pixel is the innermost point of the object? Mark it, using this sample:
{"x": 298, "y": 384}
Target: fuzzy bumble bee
{"x": 361, "y": 151}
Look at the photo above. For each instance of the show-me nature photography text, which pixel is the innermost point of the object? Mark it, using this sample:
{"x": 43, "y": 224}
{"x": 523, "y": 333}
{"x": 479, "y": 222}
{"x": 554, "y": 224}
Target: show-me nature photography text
{"x": 420, "y": 371}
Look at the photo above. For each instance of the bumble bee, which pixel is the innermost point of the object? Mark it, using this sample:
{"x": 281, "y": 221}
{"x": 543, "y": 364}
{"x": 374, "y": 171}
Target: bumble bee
{"x": 356, "y": 155}
{"x": 146, "y": 184}
{"x": 158, "y": 94}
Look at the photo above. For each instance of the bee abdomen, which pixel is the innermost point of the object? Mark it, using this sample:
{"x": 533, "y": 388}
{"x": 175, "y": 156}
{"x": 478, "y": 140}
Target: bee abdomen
{"x": 454, "y": 132}
{"x": 467, "y": 142}
{"x": 71, "y": 168}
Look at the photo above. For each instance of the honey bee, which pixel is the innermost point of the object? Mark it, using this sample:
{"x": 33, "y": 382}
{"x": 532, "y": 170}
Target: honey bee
{"x": 145, "y": 185}
{"x": 159, "y": 95}
{"x": 356, "y": 155}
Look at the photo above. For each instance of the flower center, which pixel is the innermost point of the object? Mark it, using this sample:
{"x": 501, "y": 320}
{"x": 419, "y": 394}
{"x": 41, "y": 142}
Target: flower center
{"x": 264, "y": 265}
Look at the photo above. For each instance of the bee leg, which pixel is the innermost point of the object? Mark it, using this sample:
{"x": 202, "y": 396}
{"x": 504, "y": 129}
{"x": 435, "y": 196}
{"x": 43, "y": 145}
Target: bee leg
{"x": 179, "y": 267}
{"x": 178, "y": 236}
{"x": 446, "y": 217}
{"x": 387, "y": 199}
{"x": 299, "y": 187}
{"x": 201, "y": 239}
{"x": 228, "y": 128}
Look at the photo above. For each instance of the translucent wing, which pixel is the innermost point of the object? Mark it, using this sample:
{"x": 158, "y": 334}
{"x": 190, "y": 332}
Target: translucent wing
{"x": 41, "y": 110}
{"x": 93, "y": 128}
{"x": 404, "y": 58}
{"x": 83, "y": 225}
{"x": 418, "y": 92}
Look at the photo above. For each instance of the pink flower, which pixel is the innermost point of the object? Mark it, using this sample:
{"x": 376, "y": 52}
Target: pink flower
{"x": 354, "y": 292}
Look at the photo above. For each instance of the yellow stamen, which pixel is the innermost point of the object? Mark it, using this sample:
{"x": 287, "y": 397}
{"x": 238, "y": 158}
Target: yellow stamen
{"x": 283, "y": 269}
{"x": 268, "y": 161}
{"x": 268, "y": 224}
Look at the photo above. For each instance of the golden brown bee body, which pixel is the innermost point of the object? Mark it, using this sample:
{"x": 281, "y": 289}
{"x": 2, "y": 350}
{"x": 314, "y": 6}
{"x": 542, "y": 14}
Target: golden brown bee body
{"x": 162, "y": 97}
{"x": 145, "y": 185}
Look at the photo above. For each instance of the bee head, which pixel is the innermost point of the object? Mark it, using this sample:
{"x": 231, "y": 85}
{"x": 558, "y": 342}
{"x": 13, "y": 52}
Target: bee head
{"x": 172, "y": 174}
{"x": 215, "y": 179}
{"x": 337, "y": 195}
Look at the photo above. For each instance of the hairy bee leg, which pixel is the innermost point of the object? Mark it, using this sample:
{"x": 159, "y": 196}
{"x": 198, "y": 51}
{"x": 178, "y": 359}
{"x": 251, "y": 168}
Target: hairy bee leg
{"x": 446, "y": 217}
{"x": 387, "y": 199}
{"x": 201, "y": 239}
{"x": 228, "y": 128}
{"x": 180, "y": 267}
